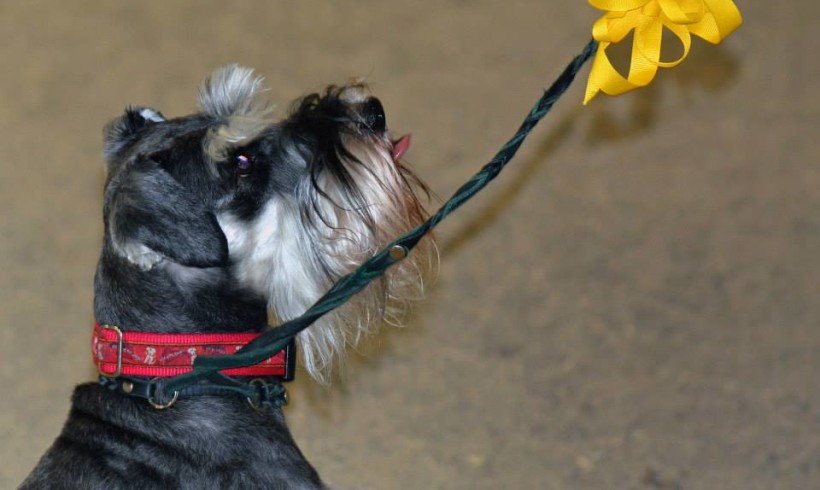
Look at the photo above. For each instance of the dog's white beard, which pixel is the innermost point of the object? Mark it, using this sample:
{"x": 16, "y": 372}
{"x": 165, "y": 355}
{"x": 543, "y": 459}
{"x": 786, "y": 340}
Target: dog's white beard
{"x": 301, "y": 245}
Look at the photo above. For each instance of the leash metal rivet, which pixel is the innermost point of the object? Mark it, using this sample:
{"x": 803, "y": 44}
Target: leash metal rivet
{"x": 398, "y": 252}
{"x": 127, "y": 387}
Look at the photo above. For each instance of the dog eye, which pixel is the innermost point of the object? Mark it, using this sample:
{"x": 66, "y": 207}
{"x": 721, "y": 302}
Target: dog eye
{"x": 244, "y": 165}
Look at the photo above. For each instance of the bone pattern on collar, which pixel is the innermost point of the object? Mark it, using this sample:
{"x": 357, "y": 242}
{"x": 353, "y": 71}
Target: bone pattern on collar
{"x": 159, "y": 355}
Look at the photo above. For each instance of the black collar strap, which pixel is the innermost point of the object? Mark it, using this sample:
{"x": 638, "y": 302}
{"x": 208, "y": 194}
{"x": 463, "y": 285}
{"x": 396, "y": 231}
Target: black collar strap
{"x": 261, "y": 393}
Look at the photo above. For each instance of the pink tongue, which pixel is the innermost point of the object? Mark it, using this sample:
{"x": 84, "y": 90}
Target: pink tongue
{"x": 400, "y": 147}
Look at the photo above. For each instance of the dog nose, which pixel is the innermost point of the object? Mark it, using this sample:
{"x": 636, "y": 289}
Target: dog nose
{"x": 373, "y": 115}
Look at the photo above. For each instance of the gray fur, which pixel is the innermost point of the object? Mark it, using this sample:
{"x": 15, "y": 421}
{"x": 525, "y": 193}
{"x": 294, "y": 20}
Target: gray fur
{"x": 233, "y": 94}
{"x": 195, "y": 242}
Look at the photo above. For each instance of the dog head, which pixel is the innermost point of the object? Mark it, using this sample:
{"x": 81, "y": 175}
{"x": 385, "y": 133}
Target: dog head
{"x": 285, "y": 206}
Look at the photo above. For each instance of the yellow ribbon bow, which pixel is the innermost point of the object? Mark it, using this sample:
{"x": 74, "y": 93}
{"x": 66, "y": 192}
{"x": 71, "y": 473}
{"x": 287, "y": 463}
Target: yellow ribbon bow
{"x": 711, "y": 20}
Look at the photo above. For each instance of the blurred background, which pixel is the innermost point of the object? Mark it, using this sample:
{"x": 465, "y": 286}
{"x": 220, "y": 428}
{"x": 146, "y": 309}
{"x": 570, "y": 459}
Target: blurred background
{"x": 632, "y": 305}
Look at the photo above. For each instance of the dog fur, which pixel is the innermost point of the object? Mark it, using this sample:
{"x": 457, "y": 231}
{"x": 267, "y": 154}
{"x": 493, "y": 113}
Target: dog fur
{"x": 230, "y": 220}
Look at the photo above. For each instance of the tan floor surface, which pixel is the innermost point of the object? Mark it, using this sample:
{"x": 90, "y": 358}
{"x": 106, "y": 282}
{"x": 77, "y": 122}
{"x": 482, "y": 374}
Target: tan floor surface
{"x": 633, "y": 305}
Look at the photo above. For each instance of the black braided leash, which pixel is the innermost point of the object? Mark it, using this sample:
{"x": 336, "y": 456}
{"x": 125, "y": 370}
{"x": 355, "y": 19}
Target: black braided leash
{"x": 275, "y": 339}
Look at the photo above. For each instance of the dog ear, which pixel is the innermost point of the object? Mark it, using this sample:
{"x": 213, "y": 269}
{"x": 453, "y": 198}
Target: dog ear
{"x": 151, "y": 216}
{"x": 124, "y": 129}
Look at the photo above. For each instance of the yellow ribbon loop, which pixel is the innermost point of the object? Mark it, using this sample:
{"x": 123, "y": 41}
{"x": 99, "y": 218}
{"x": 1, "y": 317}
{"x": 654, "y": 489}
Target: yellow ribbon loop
{"x": 711, "y": 20}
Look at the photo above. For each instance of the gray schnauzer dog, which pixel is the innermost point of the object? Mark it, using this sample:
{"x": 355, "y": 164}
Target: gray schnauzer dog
{"x": 222, "y": 222}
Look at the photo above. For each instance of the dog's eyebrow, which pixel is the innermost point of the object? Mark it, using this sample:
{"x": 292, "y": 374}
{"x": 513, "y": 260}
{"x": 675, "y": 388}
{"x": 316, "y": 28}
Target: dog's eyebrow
{"x": 232, "y": 90}
{"x": 233, "y": 95}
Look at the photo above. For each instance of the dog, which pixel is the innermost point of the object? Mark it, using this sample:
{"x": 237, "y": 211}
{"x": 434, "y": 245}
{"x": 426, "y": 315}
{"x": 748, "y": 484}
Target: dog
{"x": 224, "y": 222}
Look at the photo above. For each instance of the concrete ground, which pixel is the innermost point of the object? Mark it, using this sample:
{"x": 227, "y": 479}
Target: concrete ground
{"x": 632, "y": 305}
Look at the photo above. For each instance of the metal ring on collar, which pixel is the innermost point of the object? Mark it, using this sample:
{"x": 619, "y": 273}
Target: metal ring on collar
{"x": 266, "y": 398}
{"x": 162, "y": 406}
{"x": 256, "y": 382}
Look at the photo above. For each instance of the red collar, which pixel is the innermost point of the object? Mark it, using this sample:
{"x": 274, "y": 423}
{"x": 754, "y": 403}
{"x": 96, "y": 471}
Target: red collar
{"x": 163, "y": 355}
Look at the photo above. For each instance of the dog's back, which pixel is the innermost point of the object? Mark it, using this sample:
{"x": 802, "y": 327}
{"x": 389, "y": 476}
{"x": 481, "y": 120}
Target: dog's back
{"x": 115, "y": 442}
